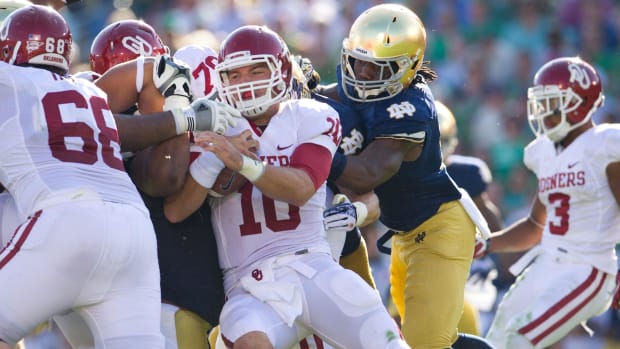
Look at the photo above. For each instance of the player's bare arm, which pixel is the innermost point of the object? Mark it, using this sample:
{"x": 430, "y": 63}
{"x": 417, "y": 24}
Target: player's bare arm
{"x": 121, "y": 85}
{"x": 287, "y": 184}
{"x": 490, "y": 212}
{"x": 131, "y": 130}
{"x": 160, "y": 170}
{"x": 377, "y": 163}
{"x": 183, "y": 203}
{"x": 523, "y": 234}
{"x": 329, "y": 91}
{"x": 613, "y": 177}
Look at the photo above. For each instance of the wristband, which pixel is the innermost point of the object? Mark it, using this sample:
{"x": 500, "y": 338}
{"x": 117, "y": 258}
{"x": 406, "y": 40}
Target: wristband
{"x": 251, "y": 169}
{"x": 338, "y": 164}
{"x": 361, "y": 212}
{"x": 206, "y": 168}
{"x": 184, "y": 119}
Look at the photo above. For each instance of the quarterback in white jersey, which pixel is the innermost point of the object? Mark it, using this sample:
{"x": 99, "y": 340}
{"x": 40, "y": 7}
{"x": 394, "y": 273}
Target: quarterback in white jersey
{"x": 87, "y": 241}
{"x": 281, "y": 280}
{"x": 574, "y": 222}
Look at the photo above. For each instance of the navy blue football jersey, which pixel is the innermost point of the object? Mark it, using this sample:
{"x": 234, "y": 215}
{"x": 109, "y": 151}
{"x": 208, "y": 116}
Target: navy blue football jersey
{"x": 416, "y": 191}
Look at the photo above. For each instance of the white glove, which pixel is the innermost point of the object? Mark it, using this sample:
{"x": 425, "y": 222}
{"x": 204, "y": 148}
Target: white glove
{"x": 172, "y": 79}
{"x": 344, "y": 215}
{"x": 205, "y": 114}
{"x": 213, "y": 115}
{"x": 206, "y": 168}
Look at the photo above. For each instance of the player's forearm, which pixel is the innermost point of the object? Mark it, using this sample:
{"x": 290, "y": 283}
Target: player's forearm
{"x": 362, "y": 175}
{"x": 286, "y": 184}
{"x": 489, "y": 211}
{"x": 183, "y": 203}
{"x": 160, "y": 170}
{"x": 137, "y": 133}
{"x": 330, "y": 91}
{"x": 376, "y": 164}
{"x": 520, "y": 236}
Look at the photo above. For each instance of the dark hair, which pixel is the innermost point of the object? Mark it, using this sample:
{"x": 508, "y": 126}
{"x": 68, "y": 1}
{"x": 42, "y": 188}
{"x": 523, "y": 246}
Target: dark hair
{"x": 425, "y": 73}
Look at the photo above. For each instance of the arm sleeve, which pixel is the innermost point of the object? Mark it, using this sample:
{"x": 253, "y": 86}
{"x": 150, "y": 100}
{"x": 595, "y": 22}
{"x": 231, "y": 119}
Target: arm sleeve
{"x": 315, "y": 160}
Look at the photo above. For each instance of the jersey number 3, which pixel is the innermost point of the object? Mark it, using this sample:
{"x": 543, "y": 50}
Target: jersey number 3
{"x": 561, "y": 203}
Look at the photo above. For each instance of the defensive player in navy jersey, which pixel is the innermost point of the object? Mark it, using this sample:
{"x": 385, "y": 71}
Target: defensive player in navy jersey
{"x": 382, "y": 77}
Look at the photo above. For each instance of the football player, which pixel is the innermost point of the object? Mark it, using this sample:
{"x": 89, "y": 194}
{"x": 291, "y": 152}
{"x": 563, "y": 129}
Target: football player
{"x": 87, "y": 241}
{"x": 383, "y": 78}
{"x": 281, "y": 281}
{"x": 191, "y": 281}
{"x": 140, "y": 83}
{"x": 574, "y": 223}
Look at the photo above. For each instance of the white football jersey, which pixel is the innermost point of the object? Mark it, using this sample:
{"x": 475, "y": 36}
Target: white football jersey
{"x": 58, "y": 137}
{"x": 10, "y": 218}
{"x": 250, "y": 226}
{"x": 583, "y": 218}
{"x": 202, "y": 61}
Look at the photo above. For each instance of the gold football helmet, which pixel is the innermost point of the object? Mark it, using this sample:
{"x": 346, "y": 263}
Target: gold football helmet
{"x": 447, "y": 128}
{"x": 393, "y": 39}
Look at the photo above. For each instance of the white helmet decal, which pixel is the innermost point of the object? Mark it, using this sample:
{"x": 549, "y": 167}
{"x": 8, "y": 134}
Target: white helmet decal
{"x": 579, "y": 75}
{"x": 138, "y": 45}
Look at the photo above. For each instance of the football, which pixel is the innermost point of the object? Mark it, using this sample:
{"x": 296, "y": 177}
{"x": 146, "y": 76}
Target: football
{"x": 227, "y": 182}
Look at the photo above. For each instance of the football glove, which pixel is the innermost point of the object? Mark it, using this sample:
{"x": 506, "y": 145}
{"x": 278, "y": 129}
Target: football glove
{"x": 172, "y": 79}
{"x": 344, "y": 215}
{"x": 615, "y": 303}
{"x": 311, "y": 76}
{"x": 205, "y": 114}
{"x": 481, "y": 247}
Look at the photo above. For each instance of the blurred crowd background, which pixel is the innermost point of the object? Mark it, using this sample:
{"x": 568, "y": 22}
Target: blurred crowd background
{"x": 486, "y": 54}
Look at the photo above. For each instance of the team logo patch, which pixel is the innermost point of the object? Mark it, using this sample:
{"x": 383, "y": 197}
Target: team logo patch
{"x": 352, "y": 144}
{"x": 579, "y": 75}
{"x": 33, "y": 45}
{"x": 398, "y": 111}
